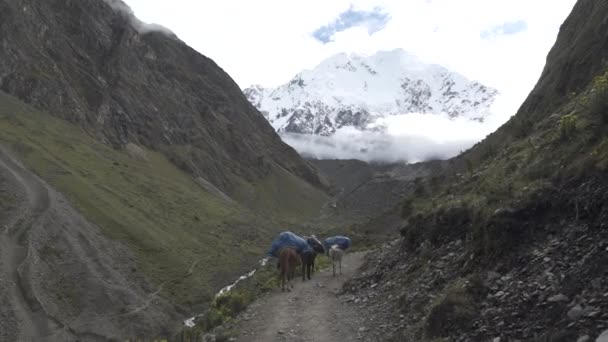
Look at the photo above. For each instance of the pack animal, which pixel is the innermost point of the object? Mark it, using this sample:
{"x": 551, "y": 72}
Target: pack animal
{"x": 336, "y": 254}
{"x": 289, "y": 260}
{"x": 309, "y": 256}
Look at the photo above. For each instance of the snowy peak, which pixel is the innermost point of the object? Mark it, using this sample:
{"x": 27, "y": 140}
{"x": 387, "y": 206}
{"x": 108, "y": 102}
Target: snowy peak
{"x": 355, "y": 90}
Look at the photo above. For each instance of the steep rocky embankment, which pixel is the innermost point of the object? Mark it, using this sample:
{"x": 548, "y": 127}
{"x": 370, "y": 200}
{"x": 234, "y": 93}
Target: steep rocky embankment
{"x": 512, "y": 245}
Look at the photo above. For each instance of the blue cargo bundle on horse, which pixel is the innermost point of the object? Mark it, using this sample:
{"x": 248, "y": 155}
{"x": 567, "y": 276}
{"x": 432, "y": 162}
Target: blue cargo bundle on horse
{"x": 288, "y": 239}
{"x": 342, "y": 241}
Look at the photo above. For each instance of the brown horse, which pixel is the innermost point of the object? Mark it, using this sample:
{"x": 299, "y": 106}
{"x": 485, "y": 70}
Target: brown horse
{"x": 289, "y": 260}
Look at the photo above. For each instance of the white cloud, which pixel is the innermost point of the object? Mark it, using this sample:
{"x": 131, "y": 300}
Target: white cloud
{"x": 374, "y": 21}
{"x": 349, "y": 143}
{"x": 268, "y": 42}
{"x": 411, "y": 138}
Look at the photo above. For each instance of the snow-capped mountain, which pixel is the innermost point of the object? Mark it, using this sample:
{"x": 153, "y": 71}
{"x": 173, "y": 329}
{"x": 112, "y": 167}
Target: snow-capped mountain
{"x": 354, "y": 90}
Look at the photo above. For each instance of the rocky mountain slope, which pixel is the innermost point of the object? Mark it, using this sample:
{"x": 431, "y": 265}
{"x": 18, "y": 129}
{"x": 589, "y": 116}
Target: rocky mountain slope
{"x": 356, "y": 91}
{"x": 511, "y": 244}
{"x": 155, "y": 166}
{"x": 90, "y": 63}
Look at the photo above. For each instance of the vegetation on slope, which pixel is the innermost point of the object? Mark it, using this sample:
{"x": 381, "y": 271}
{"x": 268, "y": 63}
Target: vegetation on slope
{"x": 510, "y": 169}
{"x": 189, "y": 240}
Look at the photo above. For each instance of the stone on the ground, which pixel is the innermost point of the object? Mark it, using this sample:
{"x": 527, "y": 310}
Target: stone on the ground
{"x": 576, "y": 312}
{"x": 603, "y": 337}
{"x": 559, "y": 298}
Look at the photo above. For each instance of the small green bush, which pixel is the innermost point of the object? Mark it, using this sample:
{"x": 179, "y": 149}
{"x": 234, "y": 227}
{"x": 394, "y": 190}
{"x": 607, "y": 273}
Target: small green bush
{"x": 567, "y": 126}
{"x": 489, "y": 152}
{"x": 419, "y": 186}
{"x": 598, "y": 102}
{"x": 212, "y": 318}
{"x": 520, "y": 126}
{"x": 231, "y": 304}
{"x": 407, "y": 208}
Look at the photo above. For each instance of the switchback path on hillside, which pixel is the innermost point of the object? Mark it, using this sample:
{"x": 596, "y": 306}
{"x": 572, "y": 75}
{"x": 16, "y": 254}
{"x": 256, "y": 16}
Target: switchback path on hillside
{"x": 311, "y": 312}
{"x": 32, "y": 323}
{"x": 34, "y": 218}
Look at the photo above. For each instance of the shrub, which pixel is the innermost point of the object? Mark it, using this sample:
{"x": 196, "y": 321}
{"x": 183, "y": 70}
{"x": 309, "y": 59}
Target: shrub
{"x": 407, "y": 208}
{"x": 489, "y": 152}
{"x": 212, "y": 318}
{"x": 598, "y": 102}
{"x": 454, "y": 312}
{"x": 470, "y": 166}
{"x": 567, "y": 126}
{"x": 520, "y": 126}
{"x": 230, "y": 304}
{"x": 419, "y": 187}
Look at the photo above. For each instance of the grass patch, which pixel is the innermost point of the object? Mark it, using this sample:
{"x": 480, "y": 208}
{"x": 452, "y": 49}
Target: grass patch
{"x": 179, "y": 231}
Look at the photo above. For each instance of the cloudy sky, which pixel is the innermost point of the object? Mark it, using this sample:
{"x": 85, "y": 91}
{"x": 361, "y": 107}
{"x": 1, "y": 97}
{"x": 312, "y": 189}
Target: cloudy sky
{"x": 501, "y": 43}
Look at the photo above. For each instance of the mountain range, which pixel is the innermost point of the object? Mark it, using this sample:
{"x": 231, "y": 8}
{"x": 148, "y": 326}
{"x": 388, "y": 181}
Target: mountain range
{"x": 355, "y": 91}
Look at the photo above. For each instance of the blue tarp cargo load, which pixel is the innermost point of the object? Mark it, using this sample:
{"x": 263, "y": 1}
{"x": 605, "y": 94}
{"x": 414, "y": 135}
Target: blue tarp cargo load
{"x": 288, "y": 239}
{"x": 342, "y": 241}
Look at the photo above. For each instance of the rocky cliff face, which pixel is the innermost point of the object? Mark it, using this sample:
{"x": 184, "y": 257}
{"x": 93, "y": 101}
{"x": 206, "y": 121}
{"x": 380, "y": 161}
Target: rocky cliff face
{"x": 579, "y": 54}
{"x": 91, "y": 63}
{"x": 355, "y": 91}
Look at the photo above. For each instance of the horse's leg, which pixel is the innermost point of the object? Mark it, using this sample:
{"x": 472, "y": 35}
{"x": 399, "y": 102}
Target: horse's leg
{"x": 284, "y": 274}
{"x": 300, "y": 260}
{"x": 285, "y": 279}
{"x": 340, "y": 265}
{"x": 304, "y": 267}
{"x": 311, "y": 266}
{"x": 333, "y": 266}
{"x": 292, "y": 274}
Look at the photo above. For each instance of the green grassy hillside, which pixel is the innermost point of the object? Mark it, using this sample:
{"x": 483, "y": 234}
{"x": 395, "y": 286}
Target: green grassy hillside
{"x": 188, "y": 239}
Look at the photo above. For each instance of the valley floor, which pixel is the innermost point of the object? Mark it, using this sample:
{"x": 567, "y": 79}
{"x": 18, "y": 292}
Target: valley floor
{"x": 312, "y": 311}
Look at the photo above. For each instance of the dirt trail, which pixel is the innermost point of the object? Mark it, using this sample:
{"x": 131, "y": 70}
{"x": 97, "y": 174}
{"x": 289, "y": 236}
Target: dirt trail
{"x": 310, "y": 312}
{"x": 33, "y": 321}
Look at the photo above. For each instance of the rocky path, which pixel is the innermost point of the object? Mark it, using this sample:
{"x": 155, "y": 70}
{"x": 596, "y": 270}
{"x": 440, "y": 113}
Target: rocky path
{"x": 311, "y": 312}
{"x": 31, "y": 321}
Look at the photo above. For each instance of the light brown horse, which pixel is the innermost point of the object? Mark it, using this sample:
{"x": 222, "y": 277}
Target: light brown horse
{"x": 289, "y": 260}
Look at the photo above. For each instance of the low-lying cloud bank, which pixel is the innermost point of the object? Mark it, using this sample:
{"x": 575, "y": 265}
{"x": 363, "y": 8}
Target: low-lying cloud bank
{"x": 373, "y": 146}
{"x": 405, "y": 138}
